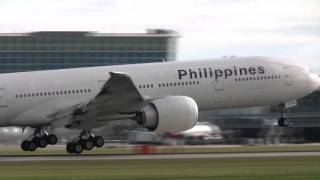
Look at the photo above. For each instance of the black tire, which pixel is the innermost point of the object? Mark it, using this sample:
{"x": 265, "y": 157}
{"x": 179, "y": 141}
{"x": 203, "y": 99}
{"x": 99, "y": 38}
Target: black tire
{"x": 25, "y": 145}
{"x": 52, "y": 139}
{"x": 283, "y": 122}
{"x": 87, "y": 144}
{"x": 43, "y": 142}
{"x": 70, "y": 147}
{"x": 98, "y": 141}
{"x": 32, "y": 145}
{"x": 36, "y": 140}
{"x": 77, "y": 148}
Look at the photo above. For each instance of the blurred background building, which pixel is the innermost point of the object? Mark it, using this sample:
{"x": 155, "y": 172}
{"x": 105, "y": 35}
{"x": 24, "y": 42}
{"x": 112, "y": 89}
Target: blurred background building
{"x": 69, "y": 49}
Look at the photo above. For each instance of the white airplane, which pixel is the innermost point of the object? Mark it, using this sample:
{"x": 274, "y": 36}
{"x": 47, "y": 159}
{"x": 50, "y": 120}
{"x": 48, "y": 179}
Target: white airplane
{"x": 201, "y": 133}
{"x": 202, "y": 129}
{"x": 163, "y": 97}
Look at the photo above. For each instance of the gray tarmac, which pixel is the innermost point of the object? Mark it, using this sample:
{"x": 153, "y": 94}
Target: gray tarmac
{"x": 153, "y": 156}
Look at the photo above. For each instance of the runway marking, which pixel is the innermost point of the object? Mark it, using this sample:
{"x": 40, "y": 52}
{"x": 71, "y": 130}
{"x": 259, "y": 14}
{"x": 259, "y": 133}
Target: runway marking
{"x": 153, "y": 156}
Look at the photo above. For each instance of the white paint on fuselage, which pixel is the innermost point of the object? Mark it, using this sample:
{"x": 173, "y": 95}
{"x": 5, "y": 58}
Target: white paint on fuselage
{"x": 34, "y": 110}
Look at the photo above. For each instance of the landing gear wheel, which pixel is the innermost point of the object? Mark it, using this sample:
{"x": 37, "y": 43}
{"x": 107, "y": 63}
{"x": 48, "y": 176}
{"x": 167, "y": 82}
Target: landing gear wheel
{"x": 87, "y": 144}
{"x": 98, "y": 141}
{"x": 25, "y": 145}
{"x": 43, "y": 142}
{"x": 283, "y": 122}
{"x": 70, "y": 147}
{"x": 32, "y": 145}
{"x": 52, "y": 139}
{"x": 38, "y": 139}
{"x": 77, "y": 148}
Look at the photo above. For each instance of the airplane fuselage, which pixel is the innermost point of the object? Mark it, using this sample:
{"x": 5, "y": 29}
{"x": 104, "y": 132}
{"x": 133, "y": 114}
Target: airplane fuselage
{"x": 27, "y": 98}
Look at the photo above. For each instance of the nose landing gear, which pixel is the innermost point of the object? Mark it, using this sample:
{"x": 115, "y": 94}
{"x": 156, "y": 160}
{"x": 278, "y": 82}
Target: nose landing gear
{"x": 283, "y": 121}
{"x": 85, "y": 141}
{"x": 40, "y": 138}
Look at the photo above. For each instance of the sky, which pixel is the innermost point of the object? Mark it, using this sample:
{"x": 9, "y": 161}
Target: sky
{"x": 288, "y": 29}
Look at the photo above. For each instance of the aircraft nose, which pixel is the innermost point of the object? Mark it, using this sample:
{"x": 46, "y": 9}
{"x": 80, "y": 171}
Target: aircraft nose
{"x": 314, "y": 81}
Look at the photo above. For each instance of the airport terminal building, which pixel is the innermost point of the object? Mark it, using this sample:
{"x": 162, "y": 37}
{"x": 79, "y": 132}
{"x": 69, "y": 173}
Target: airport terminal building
{"x": 69, "y": 49}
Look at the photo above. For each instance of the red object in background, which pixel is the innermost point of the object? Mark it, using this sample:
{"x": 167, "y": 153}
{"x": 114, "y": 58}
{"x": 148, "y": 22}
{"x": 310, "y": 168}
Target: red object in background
{"x": 145, "y": 149}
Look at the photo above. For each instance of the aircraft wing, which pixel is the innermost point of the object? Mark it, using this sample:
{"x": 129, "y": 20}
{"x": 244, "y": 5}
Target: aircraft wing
{"x": 118, "y": 94}
{"x": 118, "y": 99}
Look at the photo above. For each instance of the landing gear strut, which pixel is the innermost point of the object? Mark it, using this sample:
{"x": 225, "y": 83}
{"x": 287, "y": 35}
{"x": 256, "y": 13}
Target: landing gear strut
{"x": 283, "y": 121}
{"x": 40, "y": 138}
{"x": 85, "y": 141}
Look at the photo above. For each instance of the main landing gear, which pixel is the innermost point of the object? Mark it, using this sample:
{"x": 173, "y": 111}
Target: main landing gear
{"x": 40, "y": 138}
{"x": 85, "y": 141}
{"x": 283, "y": 121}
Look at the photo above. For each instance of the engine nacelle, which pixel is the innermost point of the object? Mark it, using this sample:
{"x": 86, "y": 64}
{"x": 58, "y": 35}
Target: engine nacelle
{"x": 169, "y": 114}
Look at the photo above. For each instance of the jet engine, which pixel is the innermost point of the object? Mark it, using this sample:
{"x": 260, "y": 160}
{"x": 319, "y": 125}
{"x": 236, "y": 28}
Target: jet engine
{"x": 169, "y": 114}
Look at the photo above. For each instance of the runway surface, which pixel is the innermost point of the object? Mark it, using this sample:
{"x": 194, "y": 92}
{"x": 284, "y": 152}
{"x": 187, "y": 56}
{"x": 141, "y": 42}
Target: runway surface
{"x": 153, "y": 156}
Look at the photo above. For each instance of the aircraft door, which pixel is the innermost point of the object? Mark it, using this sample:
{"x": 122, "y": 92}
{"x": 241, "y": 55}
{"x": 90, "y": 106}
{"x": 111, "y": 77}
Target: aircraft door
{"x": 3, "y": 98}
{"x": 287, "y": 76}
